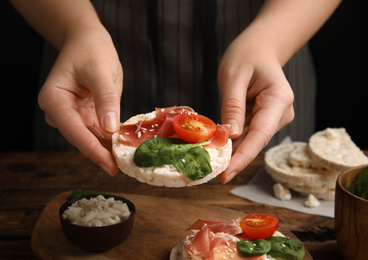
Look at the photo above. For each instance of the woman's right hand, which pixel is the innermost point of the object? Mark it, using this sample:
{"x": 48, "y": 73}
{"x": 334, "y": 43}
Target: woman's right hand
{"x": 81, "y": 96}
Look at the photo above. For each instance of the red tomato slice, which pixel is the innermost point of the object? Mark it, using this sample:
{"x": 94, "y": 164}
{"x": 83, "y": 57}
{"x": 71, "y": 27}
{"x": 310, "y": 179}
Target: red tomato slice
{"x": 194, "y": 128}
{"x": 259, "y": 225}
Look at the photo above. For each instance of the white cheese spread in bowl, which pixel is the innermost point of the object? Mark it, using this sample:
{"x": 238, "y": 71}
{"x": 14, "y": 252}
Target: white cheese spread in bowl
{"x": 97, "y": 223}
{"x": 97, "y": 211}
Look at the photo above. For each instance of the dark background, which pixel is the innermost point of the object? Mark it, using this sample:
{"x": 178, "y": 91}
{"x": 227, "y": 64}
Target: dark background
{"x": 337, "y": 48}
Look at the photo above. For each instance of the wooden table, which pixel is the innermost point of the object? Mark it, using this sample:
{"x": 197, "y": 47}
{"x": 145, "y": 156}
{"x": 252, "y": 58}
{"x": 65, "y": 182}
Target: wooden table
{"x": 29, "y": 180}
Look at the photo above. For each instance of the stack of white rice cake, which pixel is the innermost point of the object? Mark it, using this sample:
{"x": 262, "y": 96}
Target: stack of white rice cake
{"x": 312, "y": 168}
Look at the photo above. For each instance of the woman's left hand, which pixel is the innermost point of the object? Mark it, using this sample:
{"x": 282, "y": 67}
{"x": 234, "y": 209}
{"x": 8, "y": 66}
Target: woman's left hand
{"x": 257, "y": 100}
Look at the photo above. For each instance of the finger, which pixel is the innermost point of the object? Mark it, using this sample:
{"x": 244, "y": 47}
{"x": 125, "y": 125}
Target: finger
{"x": 263, "y": 126}
{"x": 72, "y": 127}
{"x": 91, "y": 147}
{"x": 245, "y": 154}
{"x": 234, "y": 92}
{"x": 62, "y": 115}
{"x": 106, "y": 89}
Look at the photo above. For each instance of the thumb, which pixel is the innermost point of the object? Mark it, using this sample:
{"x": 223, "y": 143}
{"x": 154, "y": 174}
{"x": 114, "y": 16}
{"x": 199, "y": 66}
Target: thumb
{"x": 233, "y": 113}
{"x": 233, "y": 107}
{"x": 107, "y": 96}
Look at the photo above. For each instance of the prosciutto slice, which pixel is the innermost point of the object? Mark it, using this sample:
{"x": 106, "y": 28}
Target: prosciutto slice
{"x": 216, "y": 240}
{"x": 229, "y": 227}
{"x": 162, "y": 126}
{"x": 220, "y": 137}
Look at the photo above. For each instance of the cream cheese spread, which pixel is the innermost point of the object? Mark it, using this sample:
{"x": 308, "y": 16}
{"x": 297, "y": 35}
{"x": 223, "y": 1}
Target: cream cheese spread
{"x": 97, "y": 212}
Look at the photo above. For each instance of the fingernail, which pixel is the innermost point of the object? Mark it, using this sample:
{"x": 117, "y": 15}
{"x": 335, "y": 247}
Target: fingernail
{"x": 234, "y": 127}
{"x": 109, "y": 122}
{"x": 230, "y": 177}
{"x": 106, "y": 169}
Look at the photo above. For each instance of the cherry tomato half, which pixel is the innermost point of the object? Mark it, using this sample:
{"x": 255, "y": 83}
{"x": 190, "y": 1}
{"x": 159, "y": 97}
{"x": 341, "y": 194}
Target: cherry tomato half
{"x": 194, "y": 128}
{"x": 259, "y": 225}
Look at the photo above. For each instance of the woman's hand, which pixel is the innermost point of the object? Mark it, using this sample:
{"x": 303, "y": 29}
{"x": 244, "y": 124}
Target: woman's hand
{"x": 257, "y": 100}
{"x": 81, "y": 96}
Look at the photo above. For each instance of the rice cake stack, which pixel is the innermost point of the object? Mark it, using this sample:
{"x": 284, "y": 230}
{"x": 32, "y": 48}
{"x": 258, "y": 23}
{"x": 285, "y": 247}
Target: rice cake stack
{"x": 334, "y": 149}
{"x": 313, "y": 167}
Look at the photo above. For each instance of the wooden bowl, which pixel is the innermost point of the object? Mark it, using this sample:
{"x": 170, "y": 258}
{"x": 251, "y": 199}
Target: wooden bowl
{"x": 97, "y": 239}
{"x": 351, "y": 217}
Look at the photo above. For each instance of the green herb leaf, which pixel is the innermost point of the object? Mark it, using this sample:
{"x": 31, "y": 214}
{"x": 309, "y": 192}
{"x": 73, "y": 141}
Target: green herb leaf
{"x": 81, "y": 193}
{"x": 253, "y": 247}
{"x": 195, "y": 163}
{"x": 157, "y": 152}
{"x": 189, "y": 158}
{"x": 360, "y": 187}
{"x": 286, "y": 248}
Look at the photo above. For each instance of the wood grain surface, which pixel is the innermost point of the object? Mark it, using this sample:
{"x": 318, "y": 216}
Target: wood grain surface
{"x": 160, "y": 224}
{"x": 30, "y": 180}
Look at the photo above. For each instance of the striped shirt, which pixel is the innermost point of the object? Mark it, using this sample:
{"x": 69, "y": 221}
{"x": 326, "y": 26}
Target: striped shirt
{"x": 170, "y": 51}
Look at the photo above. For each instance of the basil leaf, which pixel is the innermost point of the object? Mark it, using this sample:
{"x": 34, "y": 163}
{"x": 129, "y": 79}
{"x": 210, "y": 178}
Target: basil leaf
{"x": 253, "y": 247}
{"x": 81, "y": 193}
{"x": 157, "y": 152}
{"x": 195, "y": 163}
{"x": 360, "y": 187}
{"x": 286, "y": 248}
{"x": 189, "y": 158}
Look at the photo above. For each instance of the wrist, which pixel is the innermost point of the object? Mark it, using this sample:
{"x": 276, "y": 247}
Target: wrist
{"x": 285, "y": 26}
{"x": 91, "y": 31}
{"x": 264, "y": 45}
